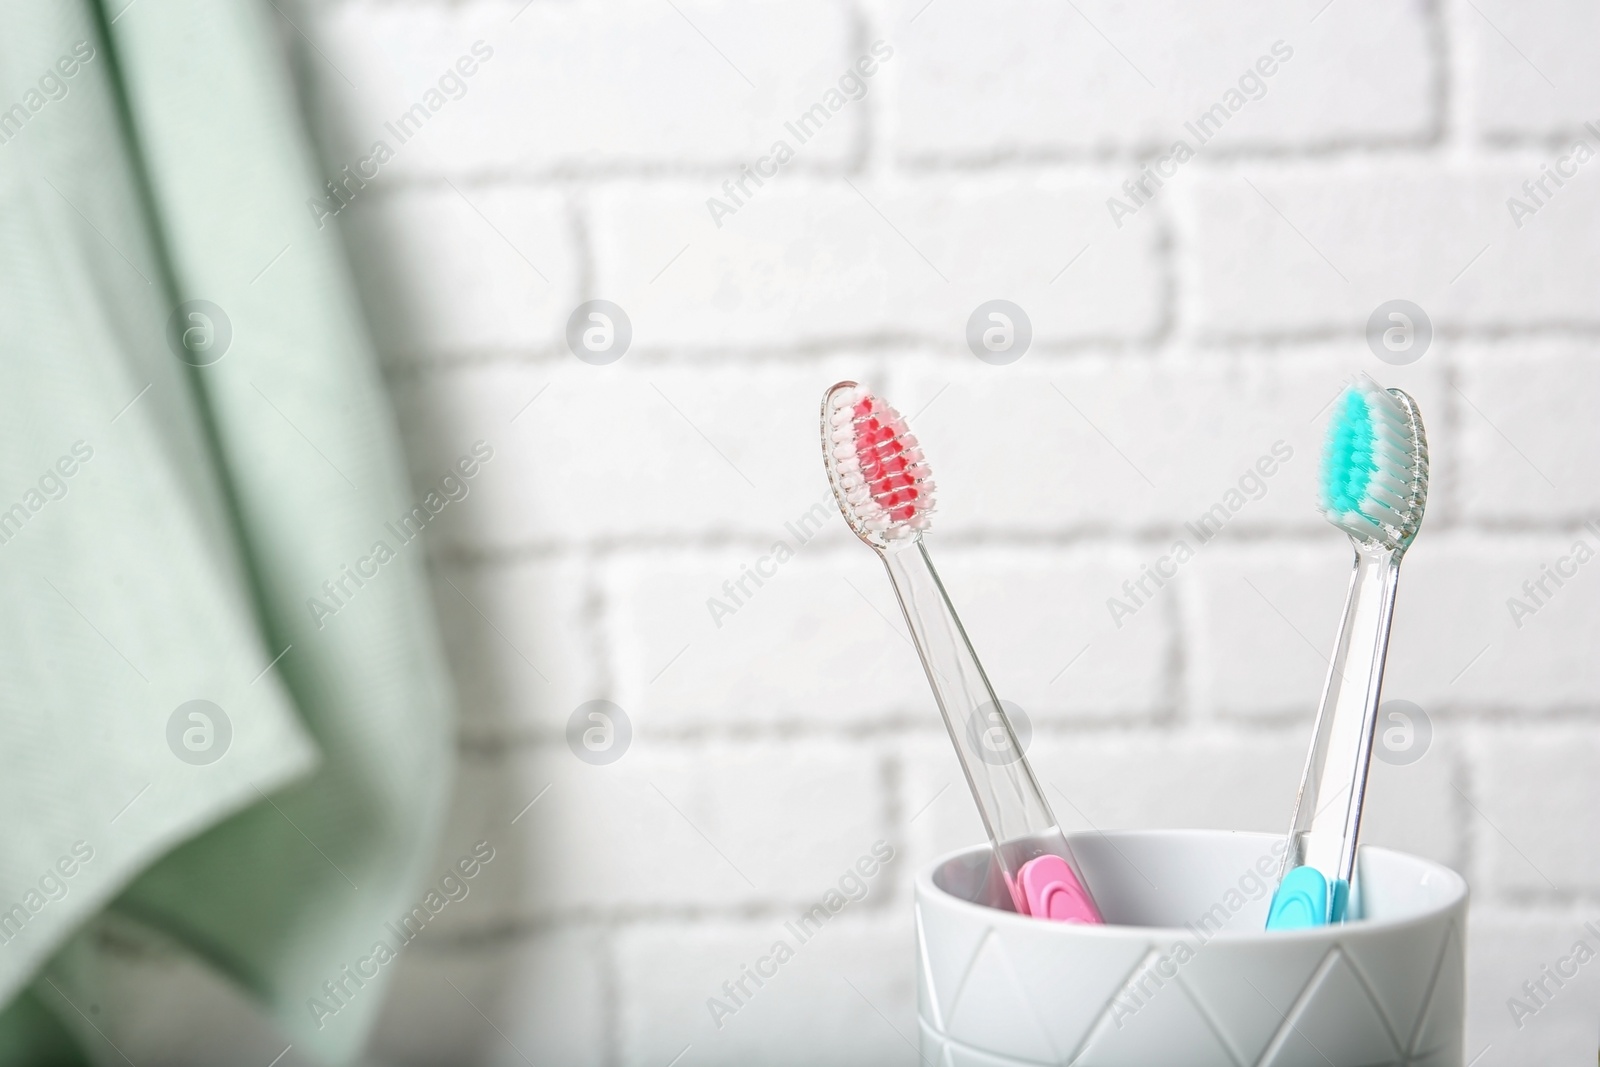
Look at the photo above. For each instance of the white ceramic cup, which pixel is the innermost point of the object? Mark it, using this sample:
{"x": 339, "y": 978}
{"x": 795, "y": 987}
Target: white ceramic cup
{"x": 1183, "y": 974}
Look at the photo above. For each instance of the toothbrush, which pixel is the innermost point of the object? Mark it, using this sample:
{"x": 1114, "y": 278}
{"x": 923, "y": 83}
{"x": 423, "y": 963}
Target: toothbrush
{"x": 1374, "y": 488}
{"x": 885, "y": 492}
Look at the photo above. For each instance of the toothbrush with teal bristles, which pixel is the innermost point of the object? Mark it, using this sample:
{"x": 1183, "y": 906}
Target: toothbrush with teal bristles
{"x": 1374, "y": 488}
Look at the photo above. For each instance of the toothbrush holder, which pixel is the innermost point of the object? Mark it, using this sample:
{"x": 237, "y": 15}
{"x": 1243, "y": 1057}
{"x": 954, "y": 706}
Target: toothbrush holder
{"x": 1183, "y": 974}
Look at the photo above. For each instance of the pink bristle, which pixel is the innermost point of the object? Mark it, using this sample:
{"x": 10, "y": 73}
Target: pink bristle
{"x": 898, "y": 491}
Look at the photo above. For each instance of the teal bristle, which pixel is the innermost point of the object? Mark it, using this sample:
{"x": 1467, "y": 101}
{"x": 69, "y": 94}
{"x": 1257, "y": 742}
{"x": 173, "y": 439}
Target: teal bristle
{"x": 1375, "y": 466}
{"x": 1347, "y": 455}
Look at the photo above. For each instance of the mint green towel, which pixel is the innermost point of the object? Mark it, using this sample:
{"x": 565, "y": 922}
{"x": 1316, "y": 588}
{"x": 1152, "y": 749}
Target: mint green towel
{"x": 166, "y": 524}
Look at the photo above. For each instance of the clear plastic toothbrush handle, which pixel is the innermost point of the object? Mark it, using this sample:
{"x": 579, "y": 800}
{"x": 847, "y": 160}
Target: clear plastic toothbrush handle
{"x": 1327, "y": 816}
{"x": 1015, "y": 813}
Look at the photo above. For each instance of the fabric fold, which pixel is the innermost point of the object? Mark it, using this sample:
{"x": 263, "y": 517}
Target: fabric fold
{"x": 195, "y": 447}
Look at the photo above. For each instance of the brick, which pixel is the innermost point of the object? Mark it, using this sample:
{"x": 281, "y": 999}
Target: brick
{"x": 1529, "y": 75}
{"x": 521, "y": 644}
{"x": 804, "y": 649}
{"x": 543, "y": 999}
{"x": 1225, "y": 781}
{"x": 1249, "y": 660}
{"x": 550, "y": 97}
{"x": 1263, "y": 627}
{"x": 1388, "y": 230}
{"x": 808, "y": 1013}
{"x": 801, "y": 730}
{"x": 1263, "y": 651}
{"x": 1132, "y": 780}
{"x": 1455, "y": 643}
{"x": 1037, "y": 447}
{"x": 1520, "y": 464}
{"x": 1228, "y": 782}
{"x": 448, "y": 272}
{"x": 935, "y": 802}
{"x": 628, "y": 450}
{"x": 823, "y": 641}
{"x": 1362, "y": 73}
{"x": 717, "y": 825}
{"x": 1529, "y": 785}
{"x": 1038, "y": 620}
{"x": 1508, "y": 948}
{"x": 810, "y": 260}
{"x": 1414, "y": 807}
{"x": 1264, "y": 619}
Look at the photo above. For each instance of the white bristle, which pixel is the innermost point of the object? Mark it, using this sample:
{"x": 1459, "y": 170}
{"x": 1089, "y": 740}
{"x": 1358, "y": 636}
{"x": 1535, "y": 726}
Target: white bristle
{"x": 883, "y": 488}
{"x": 1375, "y": 466}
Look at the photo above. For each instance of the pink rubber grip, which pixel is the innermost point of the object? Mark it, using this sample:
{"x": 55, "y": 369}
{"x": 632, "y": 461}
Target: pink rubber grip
{"x": 1053, "y": 892}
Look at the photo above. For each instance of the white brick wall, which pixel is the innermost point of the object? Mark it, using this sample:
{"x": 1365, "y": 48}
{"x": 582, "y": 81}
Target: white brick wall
{"x": 814, "y": 261}
{"x": 773, "y": 746}
{"x": 973, "y": 91}
{"x": 458, "y": 272}
{"x": 1438, "y": 230}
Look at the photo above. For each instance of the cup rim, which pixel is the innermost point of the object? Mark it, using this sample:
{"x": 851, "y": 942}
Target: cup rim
{"x": 925, "y": 888}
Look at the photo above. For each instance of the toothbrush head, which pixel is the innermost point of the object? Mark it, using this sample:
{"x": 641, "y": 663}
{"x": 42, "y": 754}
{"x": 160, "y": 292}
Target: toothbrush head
{"x": 1375, "y": 466}
{"x": 878, "y": 473}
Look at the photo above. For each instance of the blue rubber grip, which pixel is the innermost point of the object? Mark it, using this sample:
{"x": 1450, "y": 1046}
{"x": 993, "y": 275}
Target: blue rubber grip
{"x": 1301, "y": 901}
{"x": 1339, "y": 902}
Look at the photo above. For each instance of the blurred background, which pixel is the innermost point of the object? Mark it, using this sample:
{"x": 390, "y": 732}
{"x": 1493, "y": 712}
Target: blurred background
{"x": 652, "y": 532}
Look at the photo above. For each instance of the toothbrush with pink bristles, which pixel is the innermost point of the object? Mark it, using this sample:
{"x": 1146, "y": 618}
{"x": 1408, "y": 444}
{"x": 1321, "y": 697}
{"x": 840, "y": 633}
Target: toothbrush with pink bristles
{"x": 882, "y": 482}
